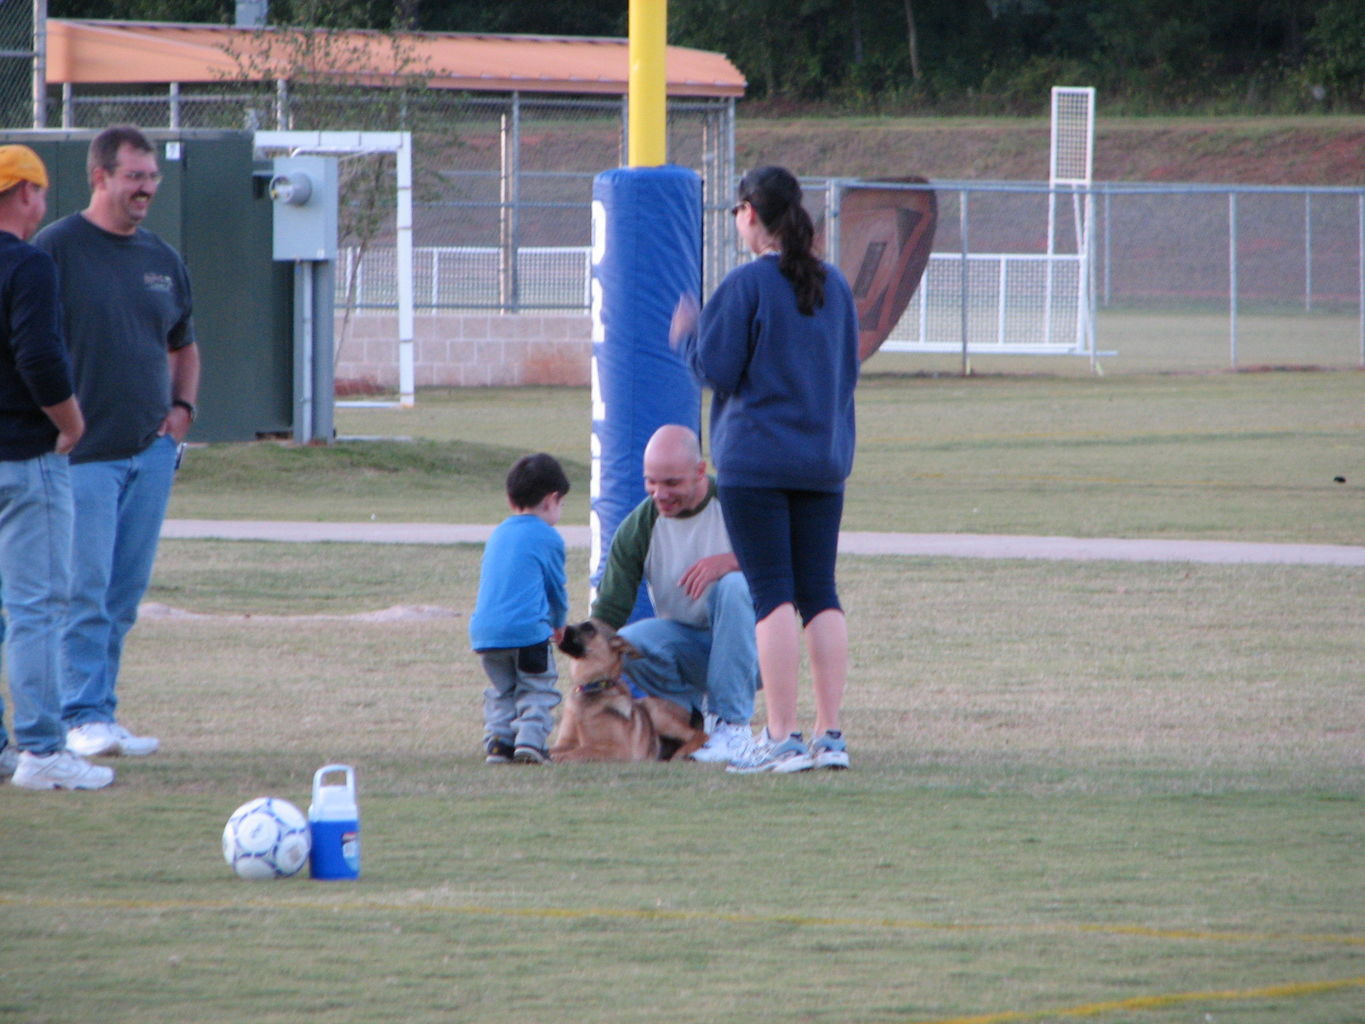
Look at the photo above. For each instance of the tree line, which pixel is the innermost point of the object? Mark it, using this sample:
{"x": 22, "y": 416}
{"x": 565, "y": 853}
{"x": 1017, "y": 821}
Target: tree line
{"x": 943, "y": 56}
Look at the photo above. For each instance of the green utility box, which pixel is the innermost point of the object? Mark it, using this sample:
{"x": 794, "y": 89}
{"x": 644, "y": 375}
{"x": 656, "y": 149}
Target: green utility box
{"x": 214, "y": 207}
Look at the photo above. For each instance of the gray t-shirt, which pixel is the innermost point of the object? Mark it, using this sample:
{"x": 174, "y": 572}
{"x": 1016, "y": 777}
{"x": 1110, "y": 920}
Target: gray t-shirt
{"x": 125, "y": 303}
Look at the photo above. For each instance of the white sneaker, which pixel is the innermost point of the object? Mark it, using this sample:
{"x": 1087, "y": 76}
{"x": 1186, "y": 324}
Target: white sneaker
{"x": 829, "y": 750}
{"x": 766, "y": 755}
{"x": 96, "y": 739}
{"x": 60, "y": 770}
{"x": 9, "y": 760}
{"x": 726, "y": 742}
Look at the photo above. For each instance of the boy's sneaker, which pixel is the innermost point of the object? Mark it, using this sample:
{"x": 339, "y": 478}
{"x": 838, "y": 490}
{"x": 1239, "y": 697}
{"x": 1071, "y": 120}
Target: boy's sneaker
{"x": 498, "y": 751}
{"x": 829, "y": 750}
{"x": 96, "y": 739}
{"x": 59, "y": 770}
{"x": 9, "y": 760}
{"x": 526, "y": 754}
{"x": 764, "y": 755}
{"x": 726, "y": 742}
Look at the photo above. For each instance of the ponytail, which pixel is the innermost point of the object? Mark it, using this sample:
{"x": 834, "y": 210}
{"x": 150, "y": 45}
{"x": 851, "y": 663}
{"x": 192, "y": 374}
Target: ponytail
{"x": 775, "y": 195}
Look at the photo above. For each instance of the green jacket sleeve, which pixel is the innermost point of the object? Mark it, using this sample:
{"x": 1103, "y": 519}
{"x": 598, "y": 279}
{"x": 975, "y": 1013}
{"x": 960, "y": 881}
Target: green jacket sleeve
{"x": 625, "y": 569}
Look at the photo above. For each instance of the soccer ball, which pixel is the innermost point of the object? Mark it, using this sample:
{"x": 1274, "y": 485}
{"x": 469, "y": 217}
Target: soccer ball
{"x": 266, "y": 838}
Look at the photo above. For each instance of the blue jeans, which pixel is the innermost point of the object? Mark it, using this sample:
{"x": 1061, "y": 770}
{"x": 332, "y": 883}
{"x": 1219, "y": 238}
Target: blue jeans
{"x": 120, "y": 505}
{"x": 715, "y": 668}
{"x": 35, "y": 567}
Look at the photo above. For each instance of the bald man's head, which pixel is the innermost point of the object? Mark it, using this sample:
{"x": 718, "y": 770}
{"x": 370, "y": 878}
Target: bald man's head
{"x": 675, "y": 472}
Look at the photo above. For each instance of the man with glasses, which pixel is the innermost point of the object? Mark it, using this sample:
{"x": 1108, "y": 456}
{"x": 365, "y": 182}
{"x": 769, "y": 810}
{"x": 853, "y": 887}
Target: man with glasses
{"x": 126, "y": 306}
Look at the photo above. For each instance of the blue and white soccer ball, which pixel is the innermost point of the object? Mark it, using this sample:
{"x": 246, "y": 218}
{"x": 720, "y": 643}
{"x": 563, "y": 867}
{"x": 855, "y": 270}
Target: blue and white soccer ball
{"x": 266, "y": 838}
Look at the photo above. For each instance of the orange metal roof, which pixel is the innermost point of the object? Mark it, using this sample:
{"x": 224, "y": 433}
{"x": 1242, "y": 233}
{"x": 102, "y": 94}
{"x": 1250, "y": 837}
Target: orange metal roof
{"x": 109, "y": 52}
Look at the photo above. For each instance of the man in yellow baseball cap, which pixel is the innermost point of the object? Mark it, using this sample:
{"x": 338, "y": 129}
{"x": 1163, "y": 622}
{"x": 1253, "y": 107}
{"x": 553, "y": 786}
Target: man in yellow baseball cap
{"x": 19, "y": 163}
{"x": 40, "y": 422}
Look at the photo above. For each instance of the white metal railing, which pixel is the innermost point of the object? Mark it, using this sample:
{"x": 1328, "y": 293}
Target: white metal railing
{"x": 1029, "y": 304}
{"x": 460, "y": 277}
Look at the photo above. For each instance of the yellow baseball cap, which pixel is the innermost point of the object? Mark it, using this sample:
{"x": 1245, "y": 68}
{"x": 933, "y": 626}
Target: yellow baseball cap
{"x": 19, "y": 163}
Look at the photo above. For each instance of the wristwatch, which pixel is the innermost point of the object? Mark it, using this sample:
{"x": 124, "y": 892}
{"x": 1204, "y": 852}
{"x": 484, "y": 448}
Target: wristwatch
{"x": 187, "y": 406}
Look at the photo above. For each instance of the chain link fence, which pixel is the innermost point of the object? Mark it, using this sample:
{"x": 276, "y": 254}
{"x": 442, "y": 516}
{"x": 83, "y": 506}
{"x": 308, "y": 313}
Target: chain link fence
{"x": 17, "y": 58}
{"x": 502, "y": 189}
{"x": 1167, "y": 277}
{"x": 1148, "y": 277}
{"x": 1141, "y": 277}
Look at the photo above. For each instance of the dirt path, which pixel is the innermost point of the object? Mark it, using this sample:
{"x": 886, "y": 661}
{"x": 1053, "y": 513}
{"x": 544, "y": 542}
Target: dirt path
{"x": 951, "y": 545}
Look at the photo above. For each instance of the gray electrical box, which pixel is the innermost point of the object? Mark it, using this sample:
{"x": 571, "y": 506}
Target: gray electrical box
{"x": 304, "y": 190}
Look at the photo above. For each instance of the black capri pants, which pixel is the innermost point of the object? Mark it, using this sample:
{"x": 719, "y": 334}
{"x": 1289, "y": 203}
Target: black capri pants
{"x": 787, "y": 542}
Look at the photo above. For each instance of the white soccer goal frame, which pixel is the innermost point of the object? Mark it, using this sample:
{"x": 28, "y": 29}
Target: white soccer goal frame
{"x": 985, "y": 303}
{"x": 1071, "y": 165}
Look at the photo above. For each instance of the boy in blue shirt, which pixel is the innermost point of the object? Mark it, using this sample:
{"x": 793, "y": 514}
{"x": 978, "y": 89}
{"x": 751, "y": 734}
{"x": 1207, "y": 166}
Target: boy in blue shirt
{"x": 520, "y": 612}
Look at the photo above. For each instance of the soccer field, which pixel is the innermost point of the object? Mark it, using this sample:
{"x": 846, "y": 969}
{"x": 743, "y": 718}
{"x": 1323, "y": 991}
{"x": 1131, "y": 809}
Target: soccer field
{"x": 1128, "y": 792}
{"x": 1121, "y": 792}
{"x": 1251, "y": 457}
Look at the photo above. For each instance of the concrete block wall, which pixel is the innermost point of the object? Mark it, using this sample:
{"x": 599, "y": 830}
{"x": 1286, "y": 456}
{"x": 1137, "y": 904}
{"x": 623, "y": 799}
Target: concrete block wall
{"x": 466, "y": 350}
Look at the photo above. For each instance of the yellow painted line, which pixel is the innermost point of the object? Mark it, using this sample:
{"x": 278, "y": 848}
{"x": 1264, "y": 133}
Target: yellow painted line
{"x": 1287, "y": 991}
{"x": 659, "y": 914}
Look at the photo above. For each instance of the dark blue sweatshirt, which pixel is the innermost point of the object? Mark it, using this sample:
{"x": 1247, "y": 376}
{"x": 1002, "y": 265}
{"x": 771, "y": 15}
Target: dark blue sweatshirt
{"x": 34, "y": 368}
{"x": 782, "y": 411}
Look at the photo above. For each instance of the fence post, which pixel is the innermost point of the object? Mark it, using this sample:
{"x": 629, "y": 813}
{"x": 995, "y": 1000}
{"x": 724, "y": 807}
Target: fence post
{"x": 38, "y": 85}
{"x": 1085, "y": 308}
{"x": 1232, "y": 277}
{"x": 407, "y": 346}
{"x": 833, "y": 201}
{"x": 963, "y": 277}
{"x": 510, "y": 199}
{"x": 1308, "y": 252}
{"x": 1108, "y": 248}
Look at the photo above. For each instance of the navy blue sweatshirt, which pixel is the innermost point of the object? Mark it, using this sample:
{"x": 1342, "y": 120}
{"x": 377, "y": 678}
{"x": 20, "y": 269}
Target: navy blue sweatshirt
{"x": 782, "y": 409}
{"x": 34, "y": 368}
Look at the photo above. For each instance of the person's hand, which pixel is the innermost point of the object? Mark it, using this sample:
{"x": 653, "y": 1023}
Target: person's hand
{"x": 176, "y": 423}
{"x": 704, "y": 572}
{"x": 557, "y": 636}
{"x": 684, "y": 319}
{"x": 66, "y": 440}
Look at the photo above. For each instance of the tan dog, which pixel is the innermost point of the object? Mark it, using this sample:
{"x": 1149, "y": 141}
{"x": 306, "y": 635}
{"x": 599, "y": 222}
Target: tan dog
{"x": 602, "y": 721}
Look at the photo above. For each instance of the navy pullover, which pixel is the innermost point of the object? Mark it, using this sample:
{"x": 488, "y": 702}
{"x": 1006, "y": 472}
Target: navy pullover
{"x": 782, "y": 412}
{"x": 34, "y": 369}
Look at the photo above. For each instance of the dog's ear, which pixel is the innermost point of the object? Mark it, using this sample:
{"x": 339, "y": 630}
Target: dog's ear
{"x": 622, "y": 646}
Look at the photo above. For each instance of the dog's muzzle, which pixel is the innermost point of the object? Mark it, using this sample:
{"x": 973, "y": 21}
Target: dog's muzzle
{"x": 573, "y": 643}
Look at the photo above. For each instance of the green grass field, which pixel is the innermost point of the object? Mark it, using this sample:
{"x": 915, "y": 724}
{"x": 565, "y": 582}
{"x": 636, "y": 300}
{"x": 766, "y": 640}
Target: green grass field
{"x": 1107, "y": 791}
{"x": 1217, "y": 456}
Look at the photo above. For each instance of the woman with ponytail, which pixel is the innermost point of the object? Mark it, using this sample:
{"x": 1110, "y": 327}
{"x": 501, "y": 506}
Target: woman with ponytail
{"x": 778, "y": 345}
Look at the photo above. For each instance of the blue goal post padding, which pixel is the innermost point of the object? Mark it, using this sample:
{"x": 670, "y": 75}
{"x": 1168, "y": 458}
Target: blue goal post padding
{"x": 646, "y": 230}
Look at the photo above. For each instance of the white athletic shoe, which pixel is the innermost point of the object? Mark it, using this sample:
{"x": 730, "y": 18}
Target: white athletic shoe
{"x": 726, "y": 742}
{"x": 766, "y": 755}
{"x": 59, "y": 770}
{"x": 829, "y": 750}
{"x": 97, "y": 739}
